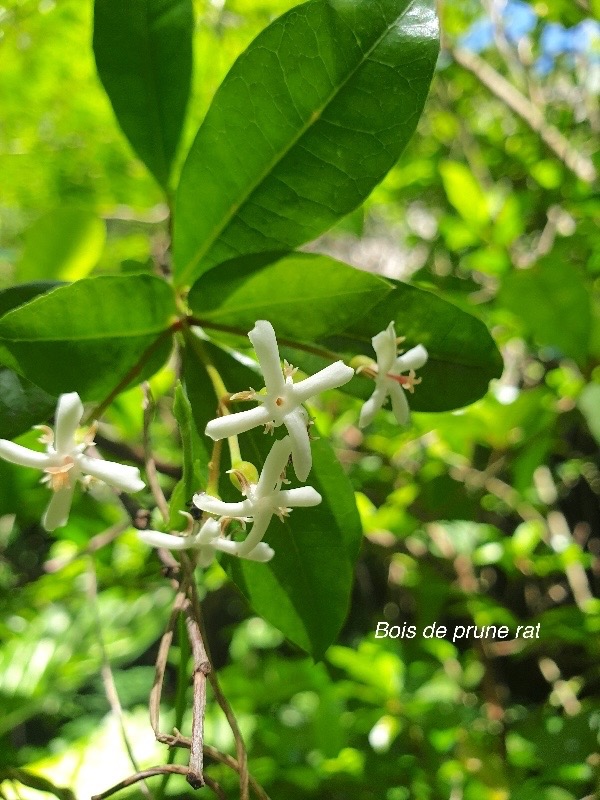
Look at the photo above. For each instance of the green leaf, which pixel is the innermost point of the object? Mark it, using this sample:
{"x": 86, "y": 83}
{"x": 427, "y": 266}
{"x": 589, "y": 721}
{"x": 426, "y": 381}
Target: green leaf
{"x": 66, "y": 243}
{"x": 309, "y": 119}
{"x": 463, "y": 357}
{"x": 16, "y": 296}
{"x": 303, "y": 296}
{"x": 22, "y": 404}
{"x": 552, "y": 303}
{"x": 589, "y": 405}
{"x": 195, "y": 459}
{"x": 305, "y": 590}
{"x": 89, "y": 335}
{"x": 465, "y": 194}
{"x": 143, "y": 52}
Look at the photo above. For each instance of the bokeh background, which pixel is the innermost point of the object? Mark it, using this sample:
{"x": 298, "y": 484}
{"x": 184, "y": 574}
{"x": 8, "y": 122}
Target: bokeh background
{"x": 487, "y": 515}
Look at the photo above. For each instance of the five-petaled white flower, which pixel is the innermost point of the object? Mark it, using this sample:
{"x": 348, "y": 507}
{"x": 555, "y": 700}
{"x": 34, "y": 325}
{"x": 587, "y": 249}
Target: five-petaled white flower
{"x": 389, "y": 380}
{"x": 281, "y": 401}
{"x": 65, "y": 461}
{"x": 205, "y": 539}
{"x": 263, "y": 499}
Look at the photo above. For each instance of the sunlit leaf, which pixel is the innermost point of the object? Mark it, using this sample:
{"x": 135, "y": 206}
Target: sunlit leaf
{"x": 309, "y": 119}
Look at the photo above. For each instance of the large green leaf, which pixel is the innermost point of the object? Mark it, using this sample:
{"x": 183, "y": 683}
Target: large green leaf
{"x": 89, "y": 335}
{"x": 66, "y": 243}
{"x": 305, "y": 589}
{"x": 552, "y": 303}
{"x": 143, "y": 52}
{"x": 309, "y": 119}
{"x": 304, "y": 296}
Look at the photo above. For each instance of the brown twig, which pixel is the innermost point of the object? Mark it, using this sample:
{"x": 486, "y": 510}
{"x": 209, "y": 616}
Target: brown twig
{"x": 202, "y": 668}
{"x": 579, "y": 164}
{"x": 161, "y": 659}
{"x": 240, "y": 747}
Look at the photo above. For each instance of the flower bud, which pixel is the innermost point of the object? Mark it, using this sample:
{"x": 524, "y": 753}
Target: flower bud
{"x": 242, "y": 474}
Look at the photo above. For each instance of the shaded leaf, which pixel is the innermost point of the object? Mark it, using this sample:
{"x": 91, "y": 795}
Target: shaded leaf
{"x": 308, "y": 120}
{"x": 143, "y": 52}
{"x": 552, "y": 303}
{"x": 22, "y": 404}
{"x": 89, "y": 335}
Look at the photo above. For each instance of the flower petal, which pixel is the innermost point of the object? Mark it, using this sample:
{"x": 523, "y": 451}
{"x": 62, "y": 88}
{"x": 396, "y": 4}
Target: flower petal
{"x": 331, "y": 377}
{"x": 275, "y": 463}
{"x": 232, "y": 424}
{"x": 57, "y": 513}
{"x": 210, "y": 530}
{"x": 205, "y": 555}
{"x": 69, "y": 412}
{"x": 303, "y": 497}
{"x": 264, "y": 342}
{"x": 259, "y": 528}
{"x": 261, "y": 553}
{"x": 295, "y": 422}
{"x": 23, "y": 456}
{"x": 414, "y": 358}
{"x": 213, "y": 505}
{"x": 121, "y": 476}
{"x": 167, "y": 540}
{"x": 384, "y": 344}
{"x": 399, "y": 403}
{"x": 372, "y": 406}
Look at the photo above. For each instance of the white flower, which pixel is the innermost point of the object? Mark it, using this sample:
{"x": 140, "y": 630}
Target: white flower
{"x": 281, "y": 401}
{"x": 64, "y": 461}
{"x": 205, "y": 540}
{"x": 263, "y": 499}
{"x": 388, "y": 378}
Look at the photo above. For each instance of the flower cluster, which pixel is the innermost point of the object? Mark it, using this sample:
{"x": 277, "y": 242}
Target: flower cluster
{"x": 65, "y": 461}
{"x": 280, "y": 402}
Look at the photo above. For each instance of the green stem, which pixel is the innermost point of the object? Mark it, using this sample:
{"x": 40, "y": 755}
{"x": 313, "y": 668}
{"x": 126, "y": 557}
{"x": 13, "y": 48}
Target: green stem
{"x": 220, "y": 390}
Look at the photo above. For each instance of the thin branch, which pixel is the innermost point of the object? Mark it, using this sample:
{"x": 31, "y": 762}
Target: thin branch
{"x": 151, "y": 472}
{"x": 108, "y": 680}
{"x": 579, "y": 164}
{"x": 126, "y": 452}
{"x": 202, "y": 668}
{"x": 161, "y": 659}
{"x": 240, "y": 747}
{"x": 174, "y": 769}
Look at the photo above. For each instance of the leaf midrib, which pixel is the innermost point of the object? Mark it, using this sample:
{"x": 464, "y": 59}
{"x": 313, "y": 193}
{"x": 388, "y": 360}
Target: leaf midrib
{"x": 313, "y": 119}
{"x": 225, "y": 310}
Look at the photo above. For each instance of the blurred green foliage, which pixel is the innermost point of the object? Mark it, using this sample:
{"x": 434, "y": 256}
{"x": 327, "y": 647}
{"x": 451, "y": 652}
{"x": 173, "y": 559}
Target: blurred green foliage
{"x": 487, "y": 515}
